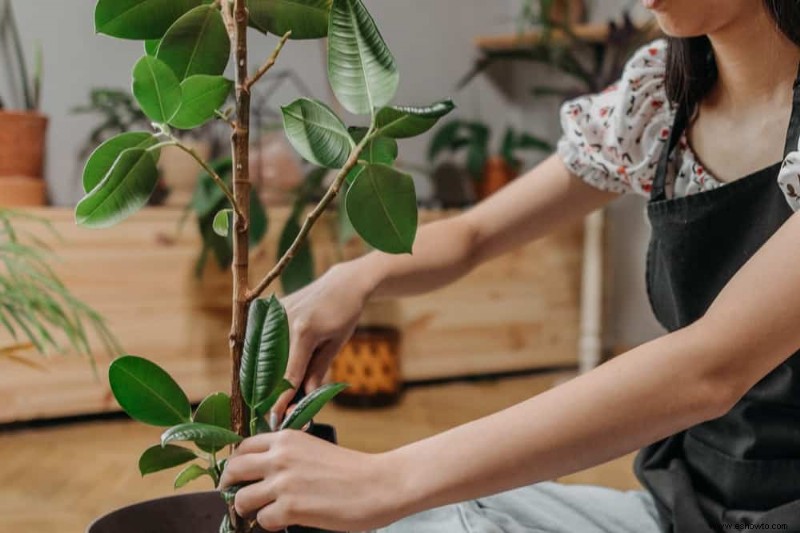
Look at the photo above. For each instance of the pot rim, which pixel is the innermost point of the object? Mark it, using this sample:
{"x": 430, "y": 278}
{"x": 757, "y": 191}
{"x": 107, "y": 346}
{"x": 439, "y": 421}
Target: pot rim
{"x": 132, "y": 506}
{"x": 24, "y": 114}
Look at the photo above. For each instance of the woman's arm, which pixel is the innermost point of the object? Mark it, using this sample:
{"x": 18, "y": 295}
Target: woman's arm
{"x": 663, "y": 387}
{"x": 545, "y": 198}
{"x": 323, "y": 315}
{"x": 658, "y": 389}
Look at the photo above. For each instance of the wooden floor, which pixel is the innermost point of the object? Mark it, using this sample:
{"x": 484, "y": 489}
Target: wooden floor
{"x": 60, "y": 478}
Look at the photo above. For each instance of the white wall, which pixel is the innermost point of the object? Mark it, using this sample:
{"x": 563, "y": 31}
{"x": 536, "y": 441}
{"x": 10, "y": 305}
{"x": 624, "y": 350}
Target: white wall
{"x": 433, "y": 44}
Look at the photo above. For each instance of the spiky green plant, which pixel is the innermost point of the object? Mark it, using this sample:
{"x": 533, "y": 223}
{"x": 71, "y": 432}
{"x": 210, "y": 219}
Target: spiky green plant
{"x": 36, "y": 309}
{"x": 24, "y": 91}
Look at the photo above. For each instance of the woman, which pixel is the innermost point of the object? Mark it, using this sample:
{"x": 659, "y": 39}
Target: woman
{"x": 715, "y": 404}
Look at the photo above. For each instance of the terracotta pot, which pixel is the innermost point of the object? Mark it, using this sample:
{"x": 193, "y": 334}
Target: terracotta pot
{"x": 22, "y": 144}
{"x": 569, "y": 11}
{"x": 200, "y": 512}
{"x": 496, "y": 175}
{"x": 21, "y": 191}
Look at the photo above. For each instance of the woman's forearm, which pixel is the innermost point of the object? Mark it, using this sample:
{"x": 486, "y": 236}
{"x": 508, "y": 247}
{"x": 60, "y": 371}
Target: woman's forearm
{"x": 542, "y": 200}
{"x": 636, "y": 399}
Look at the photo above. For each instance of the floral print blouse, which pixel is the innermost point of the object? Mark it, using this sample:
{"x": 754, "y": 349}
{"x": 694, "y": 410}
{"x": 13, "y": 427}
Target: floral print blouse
{"x": 613, "y": 140}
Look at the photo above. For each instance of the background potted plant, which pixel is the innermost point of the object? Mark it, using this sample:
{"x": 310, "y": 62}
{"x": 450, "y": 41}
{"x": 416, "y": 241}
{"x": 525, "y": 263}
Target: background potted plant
{"x": 22, "y": 126}
{"x": 37, "y": 312}
{"x": 179, "y": 84}
{"x": 491, "y": 172}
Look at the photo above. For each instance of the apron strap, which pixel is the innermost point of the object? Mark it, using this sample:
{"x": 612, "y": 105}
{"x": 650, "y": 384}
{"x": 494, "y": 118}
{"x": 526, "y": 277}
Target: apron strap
{"x": 659, "y": 190}
{"x": 793, "y": 134}
{"x": 682, "y": 121}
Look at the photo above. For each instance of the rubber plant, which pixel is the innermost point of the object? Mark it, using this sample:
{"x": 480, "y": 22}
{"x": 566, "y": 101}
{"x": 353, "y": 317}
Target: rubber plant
{"x": 179, "y": 83}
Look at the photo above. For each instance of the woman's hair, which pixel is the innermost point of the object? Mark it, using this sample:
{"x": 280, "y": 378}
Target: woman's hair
{"x": 691, "y": 69}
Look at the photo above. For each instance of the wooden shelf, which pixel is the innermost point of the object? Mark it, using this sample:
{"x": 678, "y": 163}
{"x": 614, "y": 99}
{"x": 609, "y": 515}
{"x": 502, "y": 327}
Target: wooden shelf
{"x": 591, "y": 33}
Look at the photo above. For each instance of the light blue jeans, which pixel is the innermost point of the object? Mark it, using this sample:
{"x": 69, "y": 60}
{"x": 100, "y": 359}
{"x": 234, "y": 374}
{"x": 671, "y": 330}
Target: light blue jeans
{"x": 541, "y": 508}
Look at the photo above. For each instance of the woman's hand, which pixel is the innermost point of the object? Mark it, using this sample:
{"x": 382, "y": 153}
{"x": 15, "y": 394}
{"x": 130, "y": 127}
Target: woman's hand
{"x": 322, "y": 317}
{"x": 298, "y": 479}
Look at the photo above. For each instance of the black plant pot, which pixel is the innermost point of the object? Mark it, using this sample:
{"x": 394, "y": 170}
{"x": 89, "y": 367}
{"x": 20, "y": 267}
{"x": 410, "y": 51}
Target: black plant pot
{"x": 200, "y": 512}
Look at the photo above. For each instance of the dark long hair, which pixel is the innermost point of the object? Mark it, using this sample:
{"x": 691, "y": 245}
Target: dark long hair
{"x": 691, "y": 69}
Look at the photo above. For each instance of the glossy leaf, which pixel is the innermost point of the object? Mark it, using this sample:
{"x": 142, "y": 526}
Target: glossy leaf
{"x": 139, "y": 19}
{"x": 204, "y": 435}
{"x": 151, "y": 47}
{"x": 201, "y": 97}
{"x": 226, "y": 526}
{"x": 147, "y": 393}
{"x": 266, "y": 350}
{"x": 214, "y": 410}
{"x": 307, "y": 19}
{"x": 158, "y": 458}
{"x": 361, "y": 69}
{"x": 264, "y": 407}
{"x": 105, "y": 155}
{"x": 222, "y": 222}
{"x": 300, "y": 270}
{"x": 259, "y": 220}
{"x": 317, "y": 133}
{"x": 378, "y": 150}
{"x": 197, "y": 43}
{"x": 189, "y": 474}
{"x": 382, "y": 206}
{"x": 125, "y": 189}
{"x": 157, "y": 89}
{"x": 312, "y": 404}
{"x": 405, "y": 122}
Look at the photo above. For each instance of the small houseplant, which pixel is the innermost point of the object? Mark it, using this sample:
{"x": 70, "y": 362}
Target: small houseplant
{"x": 179, "y": 84}
{"x": 22, "y": 126}
{"x": 492, "y": 172}
{"x": 37, "y": 312}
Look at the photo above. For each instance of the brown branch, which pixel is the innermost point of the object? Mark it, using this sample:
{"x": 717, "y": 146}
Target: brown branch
{"x": 270, "y": 61}
{"x": 227, "y": 18}
{"x": 311, "y": 219}
{"x": 217, "y": 179}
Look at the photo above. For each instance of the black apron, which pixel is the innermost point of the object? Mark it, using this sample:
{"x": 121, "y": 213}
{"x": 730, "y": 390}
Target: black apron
{"x": 742, "y": 468}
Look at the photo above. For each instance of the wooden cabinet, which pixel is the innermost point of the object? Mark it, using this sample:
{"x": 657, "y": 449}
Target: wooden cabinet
{"x": 517, "y": 312}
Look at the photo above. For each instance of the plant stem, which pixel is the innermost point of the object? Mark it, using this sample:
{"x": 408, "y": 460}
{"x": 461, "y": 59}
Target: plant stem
{"x": 312, "y": 217}
{"x": 270, "y": 61}
{"x": 216, "y": 177}
{"x": 240, "y": 141}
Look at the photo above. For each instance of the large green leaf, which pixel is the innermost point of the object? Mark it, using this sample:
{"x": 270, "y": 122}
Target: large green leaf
{"x": 300, "y": 270}
{"x": 264, "y": 407}
{"x": 201, "y": 96}
{"x": 361, "y": 68}
{"x": 147, "y": 393}
{"x": 158, "y": 458}
{"x": 215, "y": 410}
{"x": 266, "y": 350}
{"x": 201, "y": 434}
{"x": 378, "y": 150}
{"x": 157, "y": 89}
{"x": 139, "y": 19}
{"x": 125, "y": 189}
{"x": 404, "y": 122}
{"x": 189, "y": 474}
{"x": 197, "y": 43}
{"x": 382, "y": 206}
{"x": 317, "y": 133}
{"x": 306, "y": 19}
{"x": 104, "y": 157}
{"x": 312, "y": 404}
